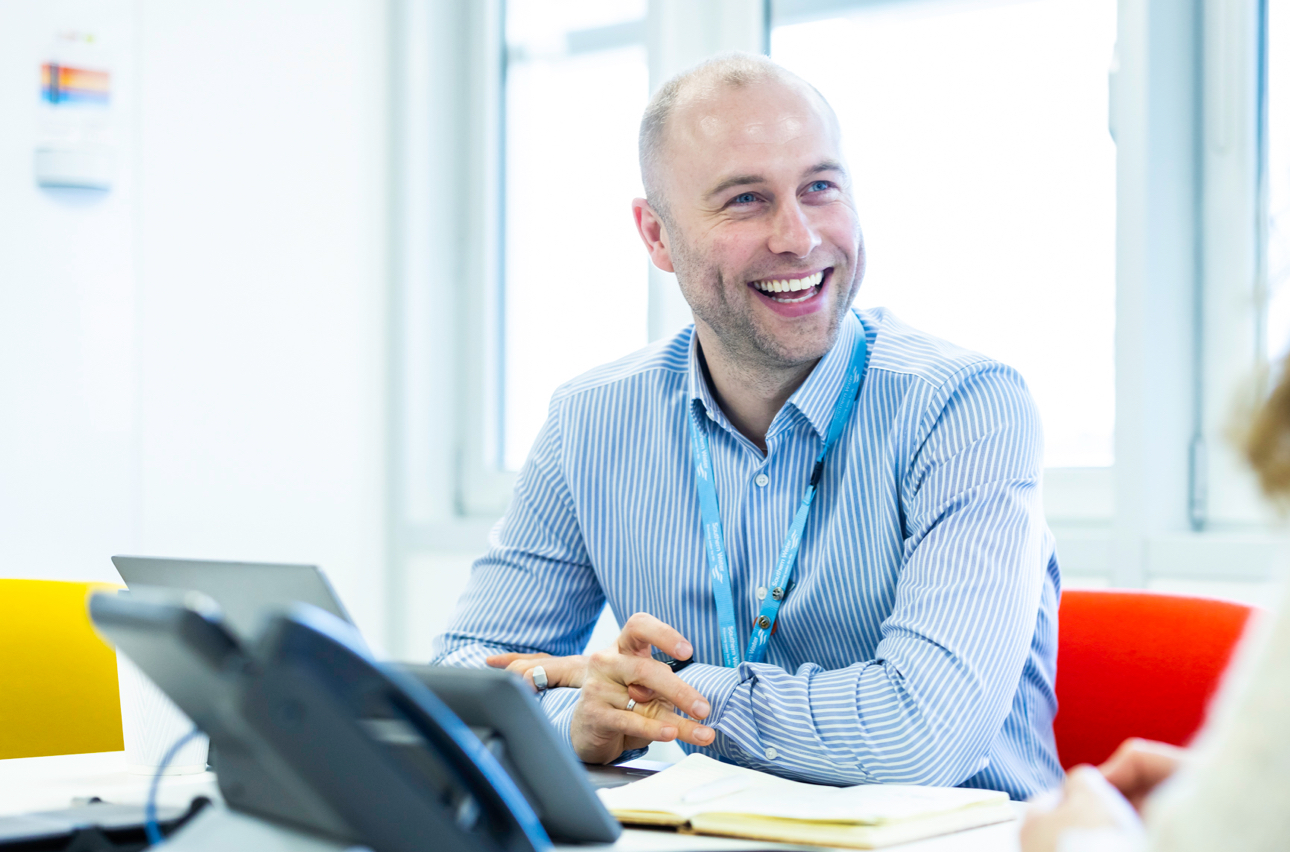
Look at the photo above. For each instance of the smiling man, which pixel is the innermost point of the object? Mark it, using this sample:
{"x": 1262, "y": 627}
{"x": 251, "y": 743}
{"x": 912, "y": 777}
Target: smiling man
{"x": 835, "y": 518}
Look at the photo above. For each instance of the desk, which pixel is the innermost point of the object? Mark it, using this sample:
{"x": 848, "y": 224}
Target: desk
{"x": 50, "y": 783}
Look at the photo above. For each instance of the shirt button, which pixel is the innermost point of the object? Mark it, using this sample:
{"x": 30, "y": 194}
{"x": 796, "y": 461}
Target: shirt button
{"x": 761, "y": 593}
{"x": 771, "y": 753}
{"x": 761, "y": 480}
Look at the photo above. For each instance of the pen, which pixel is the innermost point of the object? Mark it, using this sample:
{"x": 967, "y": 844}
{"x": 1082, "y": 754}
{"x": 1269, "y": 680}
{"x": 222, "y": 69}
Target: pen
{"x": 677, "y": 665}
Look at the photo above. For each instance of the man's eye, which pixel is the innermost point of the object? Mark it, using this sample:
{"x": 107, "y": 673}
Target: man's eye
{"x": 744, "y": 198}
{"x": 820, "y": 186}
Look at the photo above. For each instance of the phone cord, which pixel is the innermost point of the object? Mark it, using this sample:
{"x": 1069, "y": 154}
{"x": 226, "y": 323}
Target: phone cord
{"x": 150, "y": 827}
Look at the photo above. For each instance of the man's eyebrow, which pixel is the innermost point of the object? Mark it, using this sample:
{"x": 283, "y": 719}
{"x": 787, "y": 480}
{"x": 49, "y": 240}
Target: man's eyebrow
{"x": 825, "y": 166}
{"x": 733, "y": 181}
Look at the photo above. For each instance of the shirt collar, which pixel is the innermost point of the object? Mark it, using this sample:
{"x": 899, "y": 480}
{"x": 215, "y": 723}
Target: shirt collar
{"x": 814, "y": 400}
{"x": 700, "y": 391}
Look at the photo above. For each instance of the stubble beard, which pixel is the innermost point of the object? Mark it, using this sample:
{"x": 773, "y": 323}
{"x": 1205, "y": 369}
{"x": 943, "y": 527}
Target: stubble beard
{"x": 708, "y": 293}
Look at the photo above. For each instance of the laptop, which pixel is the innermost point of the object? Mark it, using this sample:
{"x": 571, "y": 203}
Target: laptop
{"x": 245, "y": 591}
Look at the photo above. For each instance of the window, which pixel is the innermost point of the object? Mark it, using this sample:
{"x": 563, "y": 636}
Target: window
{"x": 574, "y": 274}
{"x": 1277, "y": 166}
{"x": 985, "y": 178}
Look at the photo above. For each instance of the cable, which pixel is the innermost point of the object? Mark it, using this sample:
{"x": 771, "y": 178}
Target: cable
{"x": 150, "y": 827}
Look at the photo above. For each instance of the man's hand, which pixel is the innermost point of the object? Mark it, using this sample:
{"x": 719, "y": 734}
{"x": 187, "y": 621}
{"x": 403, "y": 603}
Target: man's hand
{"x": 1139, "y": 766}
{"x": 603, "y": 728}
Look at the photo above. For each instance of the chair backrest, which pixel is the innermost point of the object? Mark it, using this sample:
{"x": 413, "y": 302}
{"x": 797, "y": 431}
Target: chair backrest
{"x": 58, "y": 686}
{"x": 1138, "y": 664}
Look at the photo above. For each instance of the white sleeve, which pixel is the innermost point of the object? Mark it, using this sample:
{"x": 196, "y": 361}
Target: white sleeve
{"x": 1099, "y": 840}
{"x": 1234, "y": 796}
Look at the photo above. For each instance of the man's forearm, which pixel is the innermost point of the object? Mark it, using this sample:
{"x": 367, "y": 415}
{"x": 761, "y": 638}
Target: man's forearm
{"x": 848, "y": 726}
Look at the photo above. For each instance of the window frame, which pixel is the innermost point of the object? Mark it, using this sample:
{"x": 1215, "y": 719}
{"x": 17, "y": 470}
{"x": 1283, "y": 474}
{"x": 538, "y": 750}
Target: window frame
{"x": 484, "y": 485}
{"x": 1186, "y": 69}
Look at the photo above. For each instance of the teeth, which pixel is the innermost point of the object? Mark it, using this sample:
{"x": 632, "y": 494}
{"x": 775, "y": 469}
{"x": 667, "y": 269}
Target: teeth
{"x": 790, "y": 285}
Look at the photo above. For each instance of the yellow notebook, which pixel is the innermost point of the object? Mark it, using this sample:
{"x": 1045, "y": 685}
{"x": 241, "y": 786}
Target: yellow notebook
{"x": 705, "y": 796}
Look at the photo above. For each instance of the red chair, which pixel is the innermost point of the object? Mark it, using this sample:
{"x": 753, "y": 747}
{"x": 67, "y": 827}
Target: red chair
{"x": 1137, "y": 664}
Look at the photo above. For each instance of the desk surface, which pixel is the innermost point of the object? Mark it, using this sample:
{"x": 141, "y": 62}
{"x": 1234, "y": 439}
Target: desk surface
{"x": 50, "y": 783}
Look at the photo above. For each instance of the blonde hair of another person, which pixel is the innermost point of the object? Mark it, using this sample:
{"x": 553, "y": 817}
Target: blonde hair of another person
{"x": 1267, "y": 442}
{"x": 1235, "y": 792}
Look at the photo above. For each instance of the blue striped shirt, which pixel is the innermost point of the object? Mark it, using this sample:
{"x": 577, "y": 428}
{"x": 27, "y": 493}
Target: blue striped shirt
{"x": 918, "y": 644}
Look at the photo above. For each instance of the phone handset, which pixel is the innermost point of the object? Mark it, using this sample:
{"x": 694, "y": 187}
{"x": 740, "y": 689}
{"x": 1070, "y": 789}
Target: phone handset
{"x": 378, "y": 747}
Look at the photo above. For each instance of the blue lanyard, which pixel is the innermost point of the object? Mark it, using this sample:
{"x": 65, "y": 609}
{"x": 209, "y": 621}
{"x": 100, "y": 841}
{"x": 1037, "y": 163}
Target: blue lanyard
{"x": 714, "y": 538}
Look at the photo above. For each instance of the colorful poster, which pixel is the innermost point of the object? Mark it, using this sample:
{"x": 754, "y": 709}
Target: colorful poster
{"x": 75, "y": 147}
{"x": 70, "y": 86}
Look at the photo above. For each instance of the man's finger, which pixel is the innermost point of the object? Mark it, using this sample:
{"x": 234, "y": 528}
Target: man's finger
{"x": 653, "y": 675}
{"x": 560, "y": 671}
{"x": 687, "y": 730}
{"x": 643, "y": 631}
{"x": 640, "y": 694}
{"x": 640, "y": 726}
{"x": 501, "y": 661}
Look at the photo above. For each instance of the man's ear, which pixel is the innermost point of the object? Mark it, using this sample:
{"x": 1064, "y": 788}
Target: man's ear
{"x": 654, "y": 234}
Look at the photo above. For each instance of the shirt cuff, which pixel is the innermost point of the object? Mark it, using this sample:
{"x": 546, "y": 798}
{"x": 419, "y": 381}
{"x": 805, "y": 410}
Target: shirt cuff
{"x": 471, "y": 656}
{"x": 715, "y": 683}
{"x": 558, "y": 704}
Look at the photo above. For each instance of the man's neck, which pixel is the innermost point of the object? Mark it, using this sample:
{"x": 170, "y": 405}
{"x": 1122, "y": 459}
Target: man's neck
{"x": 748, "y": 390}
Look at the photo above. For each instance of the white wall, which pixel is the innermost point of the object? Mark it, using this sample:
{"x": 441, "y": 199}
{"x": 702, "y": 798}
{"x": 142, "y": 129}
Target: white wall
{"x": 262, "y": 285}
{"x": 193, "y": 364}
{"x": 68, "y": 462}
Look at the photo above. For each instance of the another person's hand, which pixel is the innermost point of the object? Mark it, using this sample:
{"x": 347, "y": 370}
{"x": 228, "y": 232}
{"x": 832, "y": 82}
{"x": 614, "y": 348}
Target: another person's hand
{"x": 603, "y": 727}
{"x": 560, "y": 671}
{"x": 1139, "y": 766}
{"x": 1087, "y": 804}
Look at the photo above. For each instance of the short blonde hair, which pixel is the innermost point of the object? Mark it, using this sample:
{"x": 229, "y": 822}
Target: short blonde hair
{"x": 733, "y": 70}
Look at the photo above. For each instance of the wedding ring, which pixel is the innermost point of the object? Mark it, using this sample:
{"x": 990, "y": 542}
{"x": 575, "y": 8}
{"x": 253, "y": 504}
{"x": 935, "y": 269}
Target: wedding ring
{"x": 539, "y": 678}
{"x": 631, "y": 705}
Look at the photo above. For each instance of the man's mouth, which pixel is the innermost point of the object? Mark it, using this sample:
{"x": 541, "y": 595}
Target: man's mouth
{"x": 788, "y": 291}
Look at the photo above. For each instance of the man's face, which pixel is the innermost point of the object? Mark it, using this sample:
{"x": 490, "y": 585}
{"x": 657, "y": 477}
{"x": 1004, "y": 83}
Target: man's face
{"x": 763, "y": 231}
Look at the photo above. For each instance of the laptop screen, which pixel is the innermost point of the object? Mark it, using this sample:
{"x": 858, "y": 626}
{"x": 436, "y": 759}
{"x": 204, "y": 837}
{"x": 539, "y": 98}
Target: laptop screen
{"x": 245, "y": 591}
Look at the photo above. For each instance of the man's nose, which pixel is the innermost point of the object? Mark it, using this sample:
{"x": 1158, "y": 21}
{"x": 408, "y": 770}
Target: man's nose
{"x": 791, "y": 231}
